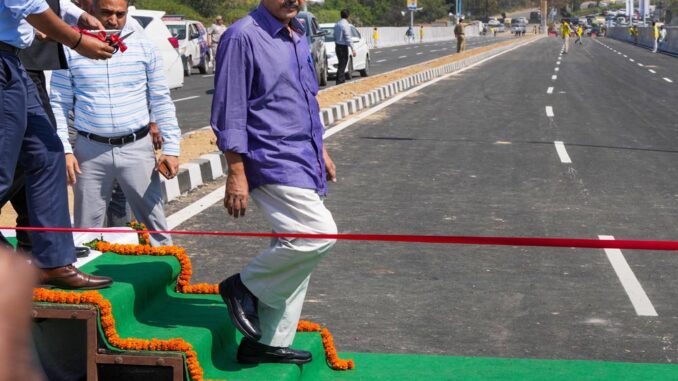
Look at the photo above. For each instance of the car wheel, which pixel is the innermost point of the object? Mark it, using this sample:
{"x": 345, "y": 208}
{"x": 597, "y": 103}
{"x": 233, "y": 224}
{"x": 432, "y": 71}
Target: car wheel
{"x": 350, "y": 68}
{"x": 204, "y": 65}
{"x": 366, "y": 71}
{"x": 187, "y": 68}
{"x": 323, "y": 75}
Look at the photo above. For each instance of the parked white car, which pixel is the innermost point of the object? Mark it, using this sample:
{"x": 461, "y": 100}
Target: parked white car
{"x": 192, "y": 37}
{"x": 361, "y": 62}
{"x": 158, "y": 33}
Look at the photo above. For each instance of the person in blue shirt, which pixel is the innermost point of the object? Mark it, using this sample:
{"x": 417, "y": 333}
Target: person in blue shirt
{"x": 266, "y": 118}
{"x": 27, "y": 137}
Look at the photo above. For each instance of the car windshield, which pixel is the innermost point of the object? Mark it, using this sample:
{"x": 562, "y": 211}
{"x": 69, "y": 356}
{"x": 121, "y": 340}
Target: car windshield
{"x": 329, "y": 34}
{"x": 177, "y": 31}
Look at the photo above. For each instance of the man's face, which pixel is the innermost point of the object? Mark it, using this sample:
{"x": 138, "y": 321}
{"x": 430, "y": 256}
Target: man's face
{"x": 283, "y": 10}
{"x": 220, "y": 21}
{"x": 111, "y": 13}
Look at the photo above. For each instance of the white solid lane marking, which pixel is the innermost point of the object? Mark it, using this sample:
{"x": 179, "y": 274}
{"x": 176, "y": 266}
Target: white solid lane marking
{"x": 185, "y": 99}
{"x": 641, "y": 303}
{"x": 668, "y": 80}
{"x": 562, "y": 152}
{"x": 381, "y": 61}
{"x": 401, "y": 57}
{"x": 197, "y": 207}
{"x": 549, "y": 90}
{"x": 554, "y": 77}
{"x": 549, "y": 111}
{"x": 652, "y": 71}
{"x": 208, "y": 75}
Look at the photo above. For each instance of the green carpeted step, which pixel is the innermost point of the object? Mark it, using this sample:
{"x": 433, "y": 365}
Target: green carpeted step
{"x": 146, "y": 306}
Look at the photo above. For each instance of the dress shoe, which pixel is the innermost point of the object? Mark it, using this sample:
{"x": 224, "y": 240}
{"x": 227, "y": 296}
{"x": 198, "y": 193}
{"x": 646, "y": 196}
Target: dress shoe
{"x": 252, "y": 352}
{"x": 81, "y": 251}
{"x": 242, "y": 306}
{"x": 69, "y": 277}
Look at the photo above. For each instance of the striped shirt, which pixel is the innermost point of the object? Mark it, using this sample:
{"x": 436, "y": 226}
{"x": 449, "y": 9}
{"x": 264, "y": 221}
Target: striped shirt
{"x": 112, "y": 97}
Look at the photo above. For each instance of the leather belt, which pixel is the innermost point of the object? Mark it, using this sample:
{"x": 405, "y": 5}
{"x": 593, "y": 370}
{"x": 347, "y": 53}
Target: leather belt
{"x": 5, "y": 47}
{"x": 119, "y": 140}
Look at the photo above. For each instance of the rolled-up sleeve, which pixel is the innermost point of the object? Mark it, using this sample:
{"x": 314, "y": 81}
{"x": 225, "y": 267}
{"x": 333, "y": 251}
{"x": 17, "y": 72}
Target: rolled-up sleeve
{"x": 232, "y": 84}
{"x": 20, "y": 9}
{"x": 70, "y": 12}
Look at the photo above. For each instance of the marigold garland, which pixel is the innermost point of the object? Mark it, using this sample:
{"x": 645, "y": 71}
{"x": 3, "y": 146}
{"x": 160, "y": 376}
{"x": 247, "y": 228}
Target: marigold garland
{"x": 183, "y": 286}
{"x": 144, "y": 237}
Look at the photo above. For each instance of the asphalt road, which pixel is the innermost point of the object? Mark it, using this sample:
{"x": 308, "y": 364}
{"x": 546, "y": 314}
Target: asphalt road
{"x": 475, "y": 154}
{"x": 194, "y": 99}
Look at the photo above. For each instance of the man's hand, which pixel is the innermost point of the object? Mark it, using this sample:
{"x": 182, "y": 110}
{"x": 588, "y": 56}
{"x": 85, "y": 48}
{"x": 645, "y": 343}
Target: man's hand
{"x": 172, "y": 163}
{"x": 353, "y": 53}
{"x": 156, "y": 136}
{"x": 330, "y": 168}
{"x": 72, "y": 167}
{"x": 87, "y": 21}
{"x": 237, "y": 187}
{"x": 237, "y": 194}
{"x": 40, "y": 36}
{"x": 91, "y": 47}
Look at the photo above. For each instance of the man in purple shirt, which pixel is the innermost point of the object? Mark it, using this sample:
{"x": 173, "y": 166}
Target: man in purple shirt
{"x": 266, "y": 119}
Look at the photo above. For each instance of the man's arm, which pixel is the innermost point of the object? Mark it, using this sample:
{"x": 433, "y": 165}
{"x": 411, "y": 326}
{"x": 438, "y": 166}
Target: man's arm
{"x": 50, "y": 24}
{"x": 346, "y": 31}
{"x": 61, "y": 99}
{"x": 163, "y": 112}
{"x": 73, "y": 15}
{"x": 232, "y": 81}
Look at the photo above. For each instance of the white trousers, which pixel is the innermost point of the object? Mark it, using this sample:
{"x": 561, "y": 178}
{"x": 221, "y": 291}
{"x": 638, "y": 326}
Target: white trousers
{"x": 566, "y": 43}
{"x": 279, "y": 275}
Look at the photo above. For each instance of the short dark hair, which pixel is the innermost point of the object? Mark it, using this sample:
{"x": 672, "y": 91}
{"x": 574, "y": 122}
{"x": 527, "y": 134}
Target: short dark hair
{"x": 345, "y": 13}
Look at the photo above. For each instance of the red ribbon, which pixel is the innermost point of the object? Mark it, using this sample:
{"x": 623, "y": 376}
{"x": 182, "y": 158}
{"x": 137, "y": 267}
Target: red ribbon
{"x": 443, "y": 239}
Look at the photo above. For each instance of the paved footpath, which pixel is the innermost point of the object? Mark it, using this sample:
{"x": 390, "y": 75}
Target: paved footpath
{"x": 512, "y": 147}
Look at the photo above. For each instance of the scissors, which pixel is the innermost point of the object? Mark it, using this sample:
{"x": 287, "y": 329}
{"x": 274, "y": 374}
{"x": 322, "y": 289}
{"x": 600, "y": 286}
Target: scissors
{"x": 117, "y": 42}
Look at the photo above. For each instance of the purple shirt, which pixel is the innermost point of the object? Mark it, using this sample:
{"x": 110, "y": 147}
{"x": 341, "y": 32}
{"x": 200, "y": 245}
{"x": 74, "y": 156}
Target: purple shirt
{"x": 264, "y": 104}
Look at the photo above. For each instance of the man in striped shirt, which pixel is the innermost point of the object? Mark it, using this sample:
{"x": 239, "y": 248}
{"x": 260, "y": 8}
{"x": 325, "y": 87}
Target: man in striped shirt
{"x": 111, "y": 101}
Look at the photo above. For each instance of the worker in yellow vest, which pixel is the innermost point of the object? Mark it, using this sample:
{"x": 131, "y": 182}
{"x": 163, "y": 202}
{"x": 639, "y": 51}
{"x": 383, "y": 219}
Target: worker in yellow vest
{"x": 655, "y": 37}
{"x": 375, "y": 37}
{"x": 565, "y": 30}
{"x": 580, "y": 32}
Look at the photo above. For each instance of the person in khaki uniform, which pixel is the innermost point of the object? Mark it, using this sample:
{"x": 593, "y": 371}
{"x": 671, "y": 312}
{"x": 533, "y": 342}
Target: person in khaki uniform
{"x": 460, "y": 36}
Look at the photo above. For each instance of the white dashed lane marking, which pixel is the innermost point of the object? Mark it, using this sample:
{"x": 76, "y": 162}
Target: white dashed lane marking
{"x": 668, "y": 80}
{"x": 554, "y": 77}
{"x": 562, "y": 152}
{"x": 549, "y": 111}
{"x": 549, "y": 90}
{"x": 634, "y": 290}
{"x": 652, "y": 71}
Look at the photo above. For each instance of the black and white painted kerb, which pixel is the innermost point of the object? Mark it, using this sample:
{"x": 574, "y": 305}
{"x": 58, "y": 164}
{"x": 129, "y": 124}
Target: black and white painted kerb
{"x": 213, "y": 166}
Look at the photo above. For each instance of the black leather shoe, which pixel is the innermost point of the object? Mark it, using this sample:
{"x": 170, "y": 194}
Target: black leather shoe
{"x": 81, "y": 251}
{"x": 242, "y": 306}
{"x": 252, "y": 352}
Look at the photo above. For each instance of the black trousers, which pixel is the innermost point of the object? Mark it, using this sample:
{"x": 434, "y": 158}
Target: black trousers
{"x": 342, "y": 56}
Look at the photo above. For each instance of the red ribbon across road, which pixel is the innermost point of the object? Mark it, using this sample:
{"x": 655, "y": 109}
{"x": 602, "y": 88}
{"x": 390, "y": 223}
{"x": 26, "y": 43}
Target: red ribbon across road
{"x": 439, "y": 239}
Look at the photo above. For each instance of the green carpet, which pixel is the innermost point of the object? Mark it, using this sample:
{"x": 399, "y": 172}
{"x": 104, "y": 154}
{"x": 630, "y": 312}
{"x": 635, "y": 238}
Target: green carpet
{"x": 146, "y": 306}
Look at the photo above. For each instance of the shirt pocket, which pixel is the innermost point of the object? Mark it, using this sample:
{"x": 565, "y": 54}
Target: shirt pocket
{"x": 310, "y": 76}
